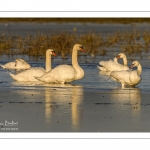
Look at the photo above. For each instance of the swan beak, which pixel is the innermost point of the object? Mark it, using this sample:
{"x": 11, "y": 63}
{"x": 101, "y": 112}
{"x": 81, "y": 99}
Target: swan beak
{"x": 54, "y": 54}
{"x": 118, "y": 57}
{"x": 131, "y": 66}
{"x": 81, "y": 48}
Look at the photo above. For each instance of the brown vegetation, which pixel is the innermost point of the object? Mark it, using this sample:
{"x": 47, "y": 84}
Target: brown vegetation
{"x": 128, "y": 42}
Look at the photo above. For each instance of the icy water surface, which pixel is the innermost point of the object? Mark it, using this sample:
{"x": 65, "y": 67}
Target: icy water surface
{"x": 93, "y": 104}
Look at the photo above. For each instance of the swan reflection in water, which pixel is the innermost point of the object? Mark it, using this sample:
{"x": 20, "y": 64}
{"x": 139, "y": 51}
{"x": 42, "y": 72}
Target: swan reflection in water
{"x": 77, "y": 97}
{"x": 58, "y": 99}
{"x": 71, "y": 96}
{"x": 128, "y": 96}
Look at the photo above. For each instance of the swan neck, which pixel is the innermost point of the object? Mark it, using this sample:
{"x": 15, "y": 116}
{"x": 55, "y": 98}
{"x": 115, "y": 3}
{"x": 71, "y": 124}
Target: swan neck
{"x": 74, "y": 57}
{"x": 139, "y": 69}
{"x": 125, "y": 60}
{"x": 48, "y": 64}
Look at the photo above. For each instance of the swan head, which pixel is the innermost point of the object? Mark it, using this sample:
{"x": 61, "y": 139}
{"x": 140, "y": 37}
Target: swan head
{"x": 134, "y": 64}
{"x": 121, "y": 55}
{"x": 21, "y": 64}
{"x": 19, "y": 60}
{"x": 79, "y": 47}
{"x": 51, "y": 52}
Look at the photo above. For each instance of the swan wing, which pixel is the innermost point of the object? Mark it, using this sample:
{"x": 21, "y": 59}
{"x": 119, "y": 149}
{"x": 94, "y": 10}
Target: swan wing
{"x": 112, "y": 66}
{"x": 28, "y": 75}
{"x": 22, "y": 65}
{"x": 108, "y": 65}
{"x": 121, "y": 76}
{"x": 102, "y": 68}
{"x": 134, "y": 78}
{"x": 60, "y": 74}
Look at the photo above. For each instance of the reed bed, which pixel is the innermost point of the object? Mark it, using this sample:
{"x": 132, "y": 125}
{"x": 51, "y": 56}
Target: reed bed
{"x": 62, "y": 42}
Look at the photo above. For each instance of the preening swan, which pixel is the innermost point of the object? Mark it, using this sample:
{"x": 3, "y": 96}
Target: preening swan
{"x": 18, "y": 64}
{"x": 65, "y": 73}
{"x": 28, "y": 75}
{"x": 128, "y": 77}
{"x": 113, "y": 65}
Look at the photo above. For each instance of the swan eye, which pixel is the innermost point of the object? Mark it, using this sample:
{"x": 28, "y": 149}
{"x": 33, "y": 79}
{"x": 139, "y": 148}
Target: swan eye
{"x": 53, "y": 52}
{"x": 81, "y": 48}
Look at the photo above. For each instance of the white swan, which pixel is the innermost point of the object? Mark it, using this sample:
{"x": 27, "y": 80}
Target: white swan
{"x": 128, "y": 77}
{"x": 18, "y": 64}
{"x": 65, "y": 73}
{"x": 28, "y": 75}
{"x": 113, "y": 65}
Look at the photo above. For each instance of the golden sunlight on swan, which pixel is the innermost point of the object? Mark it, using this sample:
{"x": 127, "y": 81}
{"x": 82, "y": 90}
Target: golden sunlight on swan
{"x": 65, "y": 73}
{"x": 113, "y": 65}
{"x": 31, "y": 73}
{"x": 128, "y": 77}
{"x": 18, "y": 64}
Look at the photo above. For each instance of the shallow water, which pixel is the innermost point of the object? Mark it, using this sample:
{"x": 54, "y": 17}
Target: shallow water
{"x": 93, "y": 79}
{"x": 93, "y": 104}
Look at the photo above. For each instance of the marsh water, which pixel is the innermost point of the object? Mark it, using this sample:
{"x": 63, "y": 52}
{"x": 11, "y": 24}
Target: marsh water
{"x": 93, "y": 104}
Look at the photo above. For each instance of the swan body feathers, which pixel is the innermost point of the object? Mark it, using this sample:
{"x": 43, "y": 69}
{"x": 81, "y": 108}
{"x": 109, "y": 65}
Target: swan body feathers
{"x": 18, "y": 64}
{"x": 113, "y": 65}
{"x": 65, "y": 73}
{"x": 31, "y": 73}
{"x": 128, "y": 77}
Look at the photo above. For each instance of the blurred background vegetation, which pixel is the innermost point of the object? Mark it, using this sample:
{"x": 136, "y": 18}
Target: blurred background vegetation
{"x": 62, "y": 42}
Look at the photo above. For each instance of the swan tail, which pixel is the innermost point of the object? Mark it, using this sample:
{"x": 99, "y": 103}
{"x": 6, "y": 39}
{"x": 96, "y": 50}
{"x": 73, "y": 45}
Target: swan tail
{"x": 102, "y": 63}
{"x": 102, "y": 68}
{"x": 3, "y": 66}
{"x": 13, "y": 76}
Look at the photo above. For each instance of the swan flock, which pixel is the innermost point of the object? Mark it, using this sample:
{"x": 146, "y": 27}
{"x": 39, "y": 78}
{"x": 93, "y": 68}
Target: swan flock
{"x": 64, "y": 73}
